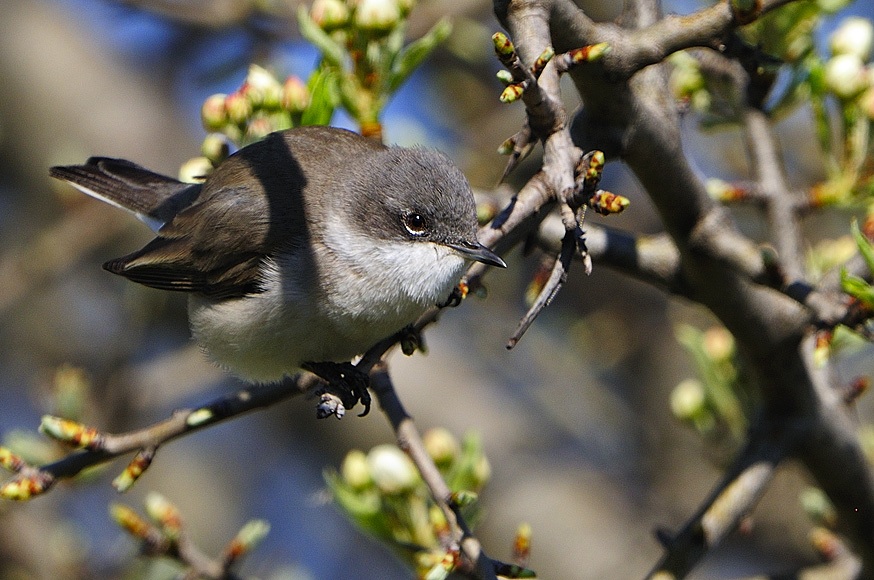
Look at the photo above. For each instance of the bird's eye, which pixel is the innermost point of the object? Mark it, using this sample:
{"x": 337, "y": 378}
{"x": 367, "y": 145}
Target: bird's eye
{"x": 416, "y": 224}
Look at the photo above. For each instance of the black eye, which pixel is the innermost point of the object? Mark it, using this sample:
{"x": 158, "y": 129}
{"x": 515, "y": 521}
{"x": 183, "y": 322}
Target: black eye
{"x": 415, "y": 223}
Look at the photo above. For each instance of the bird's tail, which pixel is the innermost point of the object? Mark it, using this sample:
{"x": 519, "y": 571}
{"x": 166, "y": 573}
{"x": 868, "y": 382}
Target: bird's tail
{"x": 152, "y": 197}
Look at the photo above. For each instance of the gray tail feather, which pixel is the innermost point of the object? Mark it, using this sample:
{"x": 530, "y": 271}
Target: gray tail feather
{"x": 151, "y": 196}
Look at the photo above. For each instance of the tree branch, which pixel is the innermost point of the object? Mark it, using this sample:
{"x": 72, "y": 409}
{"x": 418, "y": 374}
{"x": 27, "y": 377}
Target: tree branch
{"x": 410, "y": 441}
{"x": 627, "y": 114}
{"x": 732, "y": 500}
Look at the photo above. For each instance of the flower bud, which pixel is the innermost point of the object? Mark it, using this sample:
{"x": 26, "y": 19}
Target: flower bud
{"x": 688, "y": 400}
{"x": 329, "y": 14}
{"x": 130, "y": 520}
{"x": 441, "y": 445}
{"x": 164, "y": 513}
{"x": 195, "y": 170}
{"x": 355, "y": 470}
{"x": 249, "y": 536}
{"x": 76, "y": 434}
{"x": 215, "y": 147}
{"x": 377, "y": 16}
{"x": 504, "y": 76}
{"x": 295, "y": 96}
{"x": 845, "y": 76}
{"x": 854, "y": 36}
{"x": 718, "y": 343}
{"x": 238, "y": 107}
{"x": 406, "y": 6}
{"x": 392, "y": 471}
{"x": 258, "y": 128}
{"x": 261, "y": 88}
{"x": 213, "y": 113}
{"x": 482, "y": 472}
{"x": 818, "y": 507}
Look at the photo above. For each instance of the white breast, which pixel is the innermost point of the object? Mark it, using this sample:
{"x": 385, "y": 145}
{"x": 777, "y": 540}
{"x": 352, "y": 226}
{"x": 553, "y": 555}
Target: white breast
{"x": 365, "y": 291}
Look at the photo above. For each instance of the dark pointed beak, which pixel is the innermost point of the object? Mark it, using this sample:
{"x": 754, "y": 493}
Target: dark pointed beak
{"x": 478, "y": 252}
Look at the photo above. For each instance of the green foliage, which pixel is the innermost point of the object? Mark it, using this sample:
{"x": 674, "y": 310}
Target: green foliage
{"x": 853, "y": 285}
{"x": 363, "y": 52}
{"x": 363, "y": 63}
{"x": 383, "y": 494}
{"x": 719, "y": 403}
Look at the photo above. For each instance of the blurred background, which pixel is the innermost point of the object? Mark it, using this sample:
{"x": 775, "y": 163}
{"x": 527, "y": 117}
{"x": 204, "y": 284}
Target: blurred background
{"x": 575, "y": 420}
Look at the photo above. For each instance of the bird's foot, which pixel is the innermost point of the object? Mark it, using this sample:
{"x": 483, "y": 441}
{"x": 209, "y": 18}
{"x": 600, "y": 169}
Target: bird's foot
{"x": 458, "y": 294}
{"x": 346, "y": 386}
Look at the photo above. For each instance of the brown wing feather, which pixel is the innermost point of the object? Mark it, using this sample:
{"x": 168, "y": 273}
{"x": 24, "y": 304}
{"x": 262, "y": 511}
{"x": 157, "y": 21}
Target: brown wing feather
{"x": 216, "y": 245}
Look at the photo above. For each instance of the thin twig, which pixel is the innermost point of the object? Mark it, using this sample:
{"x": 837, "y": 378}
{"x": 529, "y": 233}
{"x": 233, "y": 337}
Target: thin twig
{"x": 410, "y": 441}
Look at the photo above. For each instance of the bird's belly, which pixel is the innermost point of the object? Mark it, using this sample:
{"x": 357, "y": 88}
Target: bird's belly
{"x": 301, "y": 317}
{"x": 259, "y": 340}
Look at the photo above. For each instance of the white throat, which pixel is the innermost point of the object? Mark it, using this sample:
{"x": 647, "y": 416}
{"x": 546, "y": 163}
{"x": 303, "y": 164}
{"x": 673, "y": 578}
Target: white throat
{"x": 379, "y": 278}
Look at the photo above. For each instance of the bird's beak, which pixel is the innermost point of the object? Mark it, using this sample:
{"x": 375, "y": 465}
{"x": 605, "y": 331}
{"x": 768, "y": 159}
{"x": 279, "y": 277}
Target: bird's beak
{"x": 478, "y": 252}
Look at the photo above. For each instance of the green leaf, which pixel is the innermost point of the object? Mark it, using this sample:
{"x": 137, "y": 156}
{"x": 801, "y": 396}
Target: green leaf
{"x": 324, "y": 97}
{"x": 857, "y": 288}
{"x": 417, "y": 51}
{"x": 331, "y": 51}
{"x": 865, "y": 247}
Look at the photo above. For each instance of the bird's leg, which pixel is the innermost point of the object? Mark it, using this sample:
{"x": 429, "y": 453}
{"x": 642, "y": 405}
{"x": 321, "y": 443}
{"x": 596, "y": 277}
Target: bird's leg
{"x": 346, "y": 386}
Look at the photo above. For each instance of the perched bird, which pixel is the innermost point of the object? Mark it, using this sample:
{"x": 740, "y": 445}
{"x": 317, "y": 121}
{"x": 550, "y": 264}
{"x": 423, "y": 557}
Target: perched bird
{"x": 304, "y": 248}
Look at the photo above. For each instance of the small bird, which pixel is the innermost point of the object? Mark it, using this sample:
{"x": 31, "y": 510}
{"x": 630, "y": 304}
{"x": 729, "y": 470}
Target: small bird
{"x": 304, "y": 248}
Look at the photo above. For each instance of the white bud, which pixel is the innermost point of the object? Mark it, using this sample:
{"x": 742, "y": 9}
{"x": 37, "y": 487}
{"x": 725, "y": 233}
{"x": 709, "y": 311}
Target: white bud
{"x": 845, "y": 75}
{"x": 392, "y": 471}
{"x": 688, "y": 400}
{"x": 195, "y": 170}
{"x": 441, "y": 445}
{"x": 355, "y": 470}
{"x": 377, "y": 15}
{"x": 855, "y": 36}
{"x": 260, "y": 78}
{"x": 261, "y": 88}
{"x": 329, "y": 14}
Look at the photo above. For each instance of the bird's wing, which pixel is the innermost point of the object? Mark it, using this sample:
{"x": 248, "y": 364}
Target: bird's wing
{"x": 152, "y": 197}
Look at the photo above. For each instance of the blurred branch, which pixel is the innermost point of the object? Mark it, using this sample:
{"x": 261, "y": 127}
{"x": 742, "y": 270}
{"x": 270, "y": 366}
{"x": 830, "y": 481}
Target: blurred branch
{"x": 211, "y": 13}
{"x": 733, "y": 499}
{"x": 169, "y": 537}
{"x": 780, "y": 206}
{"x": 57, "y": 249}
